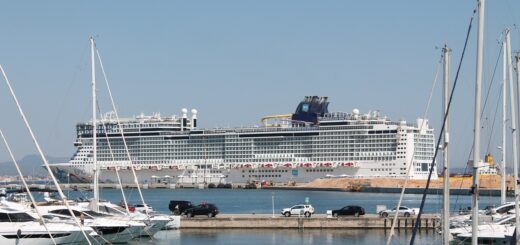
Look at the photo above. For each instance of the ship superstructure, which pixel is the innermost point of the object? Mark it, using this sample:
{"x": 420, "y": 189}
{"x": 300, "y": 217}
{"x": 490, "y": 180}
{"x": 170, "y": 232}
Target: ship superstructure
{"x": 311, "y": 143}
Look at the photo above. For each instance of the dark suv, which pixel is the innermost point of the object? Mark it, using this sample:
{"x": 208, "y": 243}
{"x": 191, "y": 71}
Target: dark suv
{"x": 349, "y": 210}
{"x": 178, "y": 207}
{"x": 203, "y": 209}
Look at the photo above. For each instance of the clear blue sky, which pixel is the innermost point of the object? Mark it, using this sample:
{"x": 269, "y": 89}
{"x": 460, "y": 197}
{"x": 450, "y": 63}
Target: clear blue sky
{"x": 236, "y": 61}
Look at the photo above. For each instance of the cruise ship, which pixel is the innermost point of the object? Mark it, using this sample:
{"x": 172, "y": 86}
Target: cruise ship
{"x": 292, "y": 148}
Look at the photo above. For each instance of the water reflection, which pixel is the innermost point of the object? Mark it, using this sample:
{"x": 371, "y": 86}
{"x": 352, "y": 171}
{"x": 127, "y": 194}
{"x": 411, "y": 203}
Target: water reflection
{"x": 286, "y": 236}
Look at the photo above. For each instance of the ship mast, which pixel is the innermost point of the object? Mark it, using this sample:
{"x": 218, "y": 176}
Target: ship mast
{"x": 446, "y": 197}
{"x": 504, "y": 125}
{"x": 94, "y": 128}
{"x": 515, "y": 150}
{"x": 476, "y": 146}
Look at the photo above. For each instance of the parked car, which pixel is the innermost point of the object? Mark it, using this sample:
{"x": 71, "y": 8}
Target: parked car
{"x": 349, "y": 210}
{"x": 301, "y": 209}
{"x": 203, "y": 209}
{"x": 178, "y": 206}
{"x": 403, "y": 211}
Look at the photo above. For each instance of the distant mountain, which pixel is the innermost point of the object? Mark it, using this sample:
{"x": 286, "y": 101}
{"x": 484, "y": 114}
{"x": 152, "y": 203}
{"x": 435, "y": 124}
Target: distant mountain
{"x": 29, "y": 165}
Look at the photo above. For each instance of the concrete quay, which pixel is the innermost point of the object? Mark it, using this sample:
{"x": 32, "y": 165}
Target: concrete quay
{"x": 317, "y": 221}
{"x": 431, "y": 191}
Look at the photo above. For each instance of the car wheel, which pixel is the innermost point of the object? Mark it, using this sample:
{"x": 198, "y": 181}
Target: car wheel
{"x": 406, "y": 214}
{"x": 356, "y": 214}
{"x": 287, "y": 214}
{"x": 384, "y": 215}
{"x": 307, "y": 214}
{"x": 335, "y": 215}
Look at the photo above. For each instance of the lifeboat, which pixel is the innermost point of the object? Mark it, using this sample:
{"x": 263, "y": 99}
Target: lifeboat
{"x": 327, "y": 164}
{"x": 268, "y": 165}
{"x": 288, "y": 165}
{"x": 307, "y": 165}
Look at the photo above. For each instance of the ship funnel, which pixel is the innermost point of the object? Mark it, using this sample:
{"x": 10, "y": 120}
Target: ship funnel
{"x": 184, "y": 120}
{"x": 310, "y": 109}
{"x": 193, "y": 123}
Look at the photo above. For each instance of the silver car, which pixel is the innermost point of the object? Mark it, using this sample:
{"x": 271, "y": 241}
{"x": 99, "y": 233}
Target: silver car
{"x": 301, "y": 209}
{"x": 403, "y": 211}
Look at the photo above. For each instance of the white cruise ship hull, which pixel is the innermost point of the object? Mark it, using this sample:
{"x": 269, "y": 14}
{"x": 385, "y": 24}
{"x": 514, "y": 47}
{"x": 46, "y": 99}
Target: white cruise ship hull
{"x": 237, "y": 175}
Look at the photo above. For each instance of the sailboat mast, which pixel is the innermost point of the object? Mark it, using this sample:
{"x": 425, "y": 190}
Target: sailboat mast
{"x": 476, "y": 146}
{"x": 513, "y": 120}
{"x": 94, "y": 124}
{"x": 515, "y": 167}
{"x": 503, "y": 186}
{"x": 446, "y": 197}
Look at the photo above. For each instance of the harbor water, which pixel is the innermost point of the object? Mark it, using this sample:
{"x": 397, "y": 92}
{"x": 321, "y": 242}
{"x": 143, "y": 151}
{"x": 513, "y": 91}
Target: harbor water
{"x": 286, "y": 237}
{"x": 260, "y": 201}
{"x": 241, "y": 201}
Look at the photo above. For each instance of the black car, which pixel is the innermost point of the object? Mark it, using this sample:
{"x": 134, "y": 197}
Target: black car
{"x": 349, "y": 210}
{"x": 203, "y": 209}
{"x": 178, "y": 207}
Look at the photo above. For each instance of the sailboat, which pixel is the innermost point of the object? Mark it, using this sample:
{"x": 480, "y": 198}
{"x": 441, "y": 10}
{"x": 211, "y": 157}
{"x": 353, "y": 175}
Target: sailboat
{"x": 503, "y": 231}
{"x": 153, "y": 223}
{"x": 20, "y": 227}
{"x": 36, "y": 230}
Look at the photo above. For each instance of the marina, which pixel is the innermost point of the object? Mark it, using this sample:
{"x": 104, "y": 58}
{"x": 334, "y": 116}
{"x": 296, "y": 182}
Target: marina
{"x": 385, "y": 164}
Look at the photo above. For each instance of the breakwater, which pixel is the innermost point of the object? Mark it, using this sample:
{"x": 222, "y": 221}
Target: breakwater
{"x": 318, "y": 221}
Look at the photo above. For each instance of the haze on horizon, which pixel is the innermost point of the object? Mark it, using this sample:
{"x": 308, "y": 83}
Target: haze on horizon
{"x": 236, "y": 61}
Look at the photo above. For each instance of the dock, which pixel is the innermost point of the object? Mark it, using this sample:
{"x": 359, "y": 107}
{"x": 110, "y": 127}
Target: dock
{"x": 410, "y": 190}
{"x": 317, "y": 221}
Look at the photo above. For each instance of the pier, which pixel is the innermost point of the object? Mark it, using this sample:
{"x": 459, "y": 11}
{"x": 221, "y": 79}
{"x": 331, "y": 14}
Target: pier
{"x": 317, "y": 221}
{"x": 410, "y": 190}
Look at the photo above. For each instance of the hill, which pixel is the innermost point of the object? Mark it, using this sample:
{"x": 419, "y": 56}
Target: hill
{"x": 29, "y": 165}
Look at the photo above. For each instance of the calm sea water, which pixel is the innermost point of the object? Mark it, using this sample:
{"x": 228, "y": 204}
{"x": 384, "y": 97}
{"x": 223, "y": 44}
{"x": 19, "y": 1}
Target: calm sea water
{"x": 285, "y": 237}
{"x": 235, "y": 201}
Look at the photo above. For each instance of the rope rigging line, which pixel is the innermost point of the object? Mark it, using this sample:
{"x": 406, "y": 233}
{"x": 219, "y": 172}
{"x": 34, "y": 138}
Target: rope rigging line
{"x": 418, "y": 219}
{"x": 434, "y": 82}
{"x": 40, "y": 216}
{"x": 487, "y": 96}
{"x": 473, "y": 142}
{"x": 40, "y": 152}
{"x": 113, "y": 159}
{"x": 132, "y": 167}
